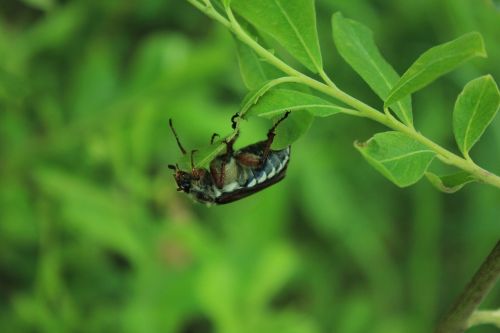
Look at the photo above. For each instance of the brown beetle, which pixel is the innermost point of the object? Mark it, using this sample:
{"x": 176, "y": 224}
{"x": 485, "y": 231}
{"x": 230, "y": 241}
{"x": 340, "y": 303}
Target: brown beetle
{"x": 234, "y": 175}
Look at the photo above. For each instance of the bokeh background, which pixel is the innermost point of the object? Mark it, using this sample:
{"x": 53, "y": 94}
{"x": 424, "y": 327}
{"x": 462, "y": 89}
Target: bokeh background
{"x": 95, "y": 238}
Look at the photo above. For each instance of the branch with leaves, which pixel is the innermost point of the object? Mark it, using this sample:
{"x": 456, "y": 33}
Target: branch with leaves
{"x": 403, "y": 155}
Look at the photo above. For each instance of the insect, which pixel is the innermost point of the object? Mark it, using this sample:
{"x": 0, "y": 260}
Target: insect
{"x": 234, "y": 175}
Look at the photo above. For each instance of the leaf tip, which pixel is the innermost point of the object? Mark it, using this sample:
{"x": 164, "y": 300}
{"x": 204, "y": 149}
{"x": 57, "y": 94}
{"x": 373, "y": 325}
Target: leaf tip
{"x": 337, "y": 16}
{"x": 481, "y": 52}
{"x": 360, "y": 144}
{"x": 491, "y": 80}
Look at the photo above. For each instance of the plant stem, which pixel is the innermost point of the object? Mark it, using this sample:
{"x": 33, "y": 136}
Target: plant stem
{"x": 480, "y": 317}
{"x": 485, "y": 278}
{"x": 209, "y": 10}
{"x": 332, "y": 90}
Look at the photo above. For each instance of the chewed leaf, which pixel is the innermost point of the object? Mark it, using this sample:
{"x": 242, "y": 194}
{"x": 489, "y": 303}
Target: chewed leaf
{"x": 475, "y": 108}
{"x": 291, "y": 22}
{"x": 355, "y": 44}
{"x": 397, "y": 156}
{"x": 436, "y": 62}
{"x": 450, "y": 183}
{"x": 278, "y": 101}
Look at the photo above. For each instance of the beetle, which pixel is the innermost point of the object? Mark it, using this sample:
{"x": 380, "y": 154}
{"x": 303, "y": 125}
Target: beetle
{"x": 233, "y": 175}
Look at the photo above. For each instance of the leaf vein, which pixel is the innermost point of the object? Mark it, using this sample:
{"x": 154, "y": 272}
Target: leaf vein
{"x": 405, "y": 155}
{"x": 303, "y": 106}
{"x": 299, "y": 36}
{"x": 469, "y": 123}
{"x": 379, "y": 71}
{"x": 417, "y": 73}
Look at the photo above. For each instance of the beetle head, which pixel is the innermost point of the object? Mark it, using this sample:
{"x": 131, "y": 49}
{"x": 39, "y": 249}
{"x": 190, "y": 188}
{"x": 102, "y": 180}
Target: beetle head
{"x": 183, "y": 179}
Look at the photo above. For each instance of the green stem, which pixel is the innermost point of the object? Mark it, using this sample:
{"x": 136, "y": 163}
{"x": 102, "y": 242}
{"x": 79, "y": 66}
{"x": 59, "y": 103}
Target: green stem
{"x": 332, "y": 90}
{"x": 273, "y": 83}
{"x": 209, "y": 10}
{"x": 457, "y": 319}
{"x": 480, "y": 317}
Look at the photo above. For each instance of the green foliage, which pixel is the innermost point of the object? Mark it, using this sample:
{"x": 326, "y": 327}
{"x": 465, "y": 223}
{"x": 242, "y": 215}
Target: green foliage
{"x": 475, "y": 108}
{"x": 41, "y": 4}
{"x": 436, "y": 62}
{"x": 278, "y": 101}
{"x": 295, "y": 126}
{"x": 204, "y": 155}
{"x": 355, "y": 44}
{"x": 94, "y": 236}
{"x": 449, "y": 183}
{"x": 254, "y": 71}
{"x": 397, "y": 156}
{"x": 291, "y": 22}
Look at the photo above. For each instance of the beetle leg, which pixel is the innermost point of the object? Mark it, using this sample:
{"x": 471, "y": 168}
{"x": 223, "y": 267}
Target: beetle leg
{"x": 219, "y": 171}
{"x": 270, "y": 137}
{"x": 233, "y": 120}
{"x": 215, "y": 135}
{"x": 194, "y": 171}
{"x": 229, "y": 146}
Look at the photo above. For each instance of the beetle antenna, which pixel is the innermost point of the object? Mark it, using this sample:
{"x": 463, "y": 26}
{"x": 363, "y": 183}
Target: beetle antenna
{"x": 192, "y": 159}
{"x": 176, "y": 137}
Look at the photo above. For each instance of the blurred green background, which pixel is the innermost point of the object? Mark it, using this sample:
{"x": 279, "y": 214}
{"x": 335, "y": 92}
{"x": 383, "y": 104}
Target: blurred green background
{"x": 95, "y": 238}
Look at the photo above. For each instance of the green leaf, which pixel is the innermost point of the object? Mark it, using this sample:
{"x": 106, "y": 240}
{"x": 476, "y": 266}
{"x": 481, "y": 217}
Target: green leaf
{"x": 204, "y": 155}
{"x": 291, "y": 129}
{"x": 450, "y": 183}
{"x": 355, "y": 43}
{"x": 436, "y": 62}
{"x": 291, "y": 22}
{"x": 475, "y": 108}
{"x": 273, "y": 268}
{"x": 277, "y": 101}
{"x": 40, "y": 4}
{"x": 253, "y": 70}
{"x": 92, "y": 211}
{"x": 253, "y": 96}
{"x": 397, "y": 156}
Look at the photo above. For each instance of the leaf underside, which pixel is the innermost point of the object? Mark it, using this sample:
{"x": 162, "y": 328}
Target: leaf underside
{"x": 450, "y": 183}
